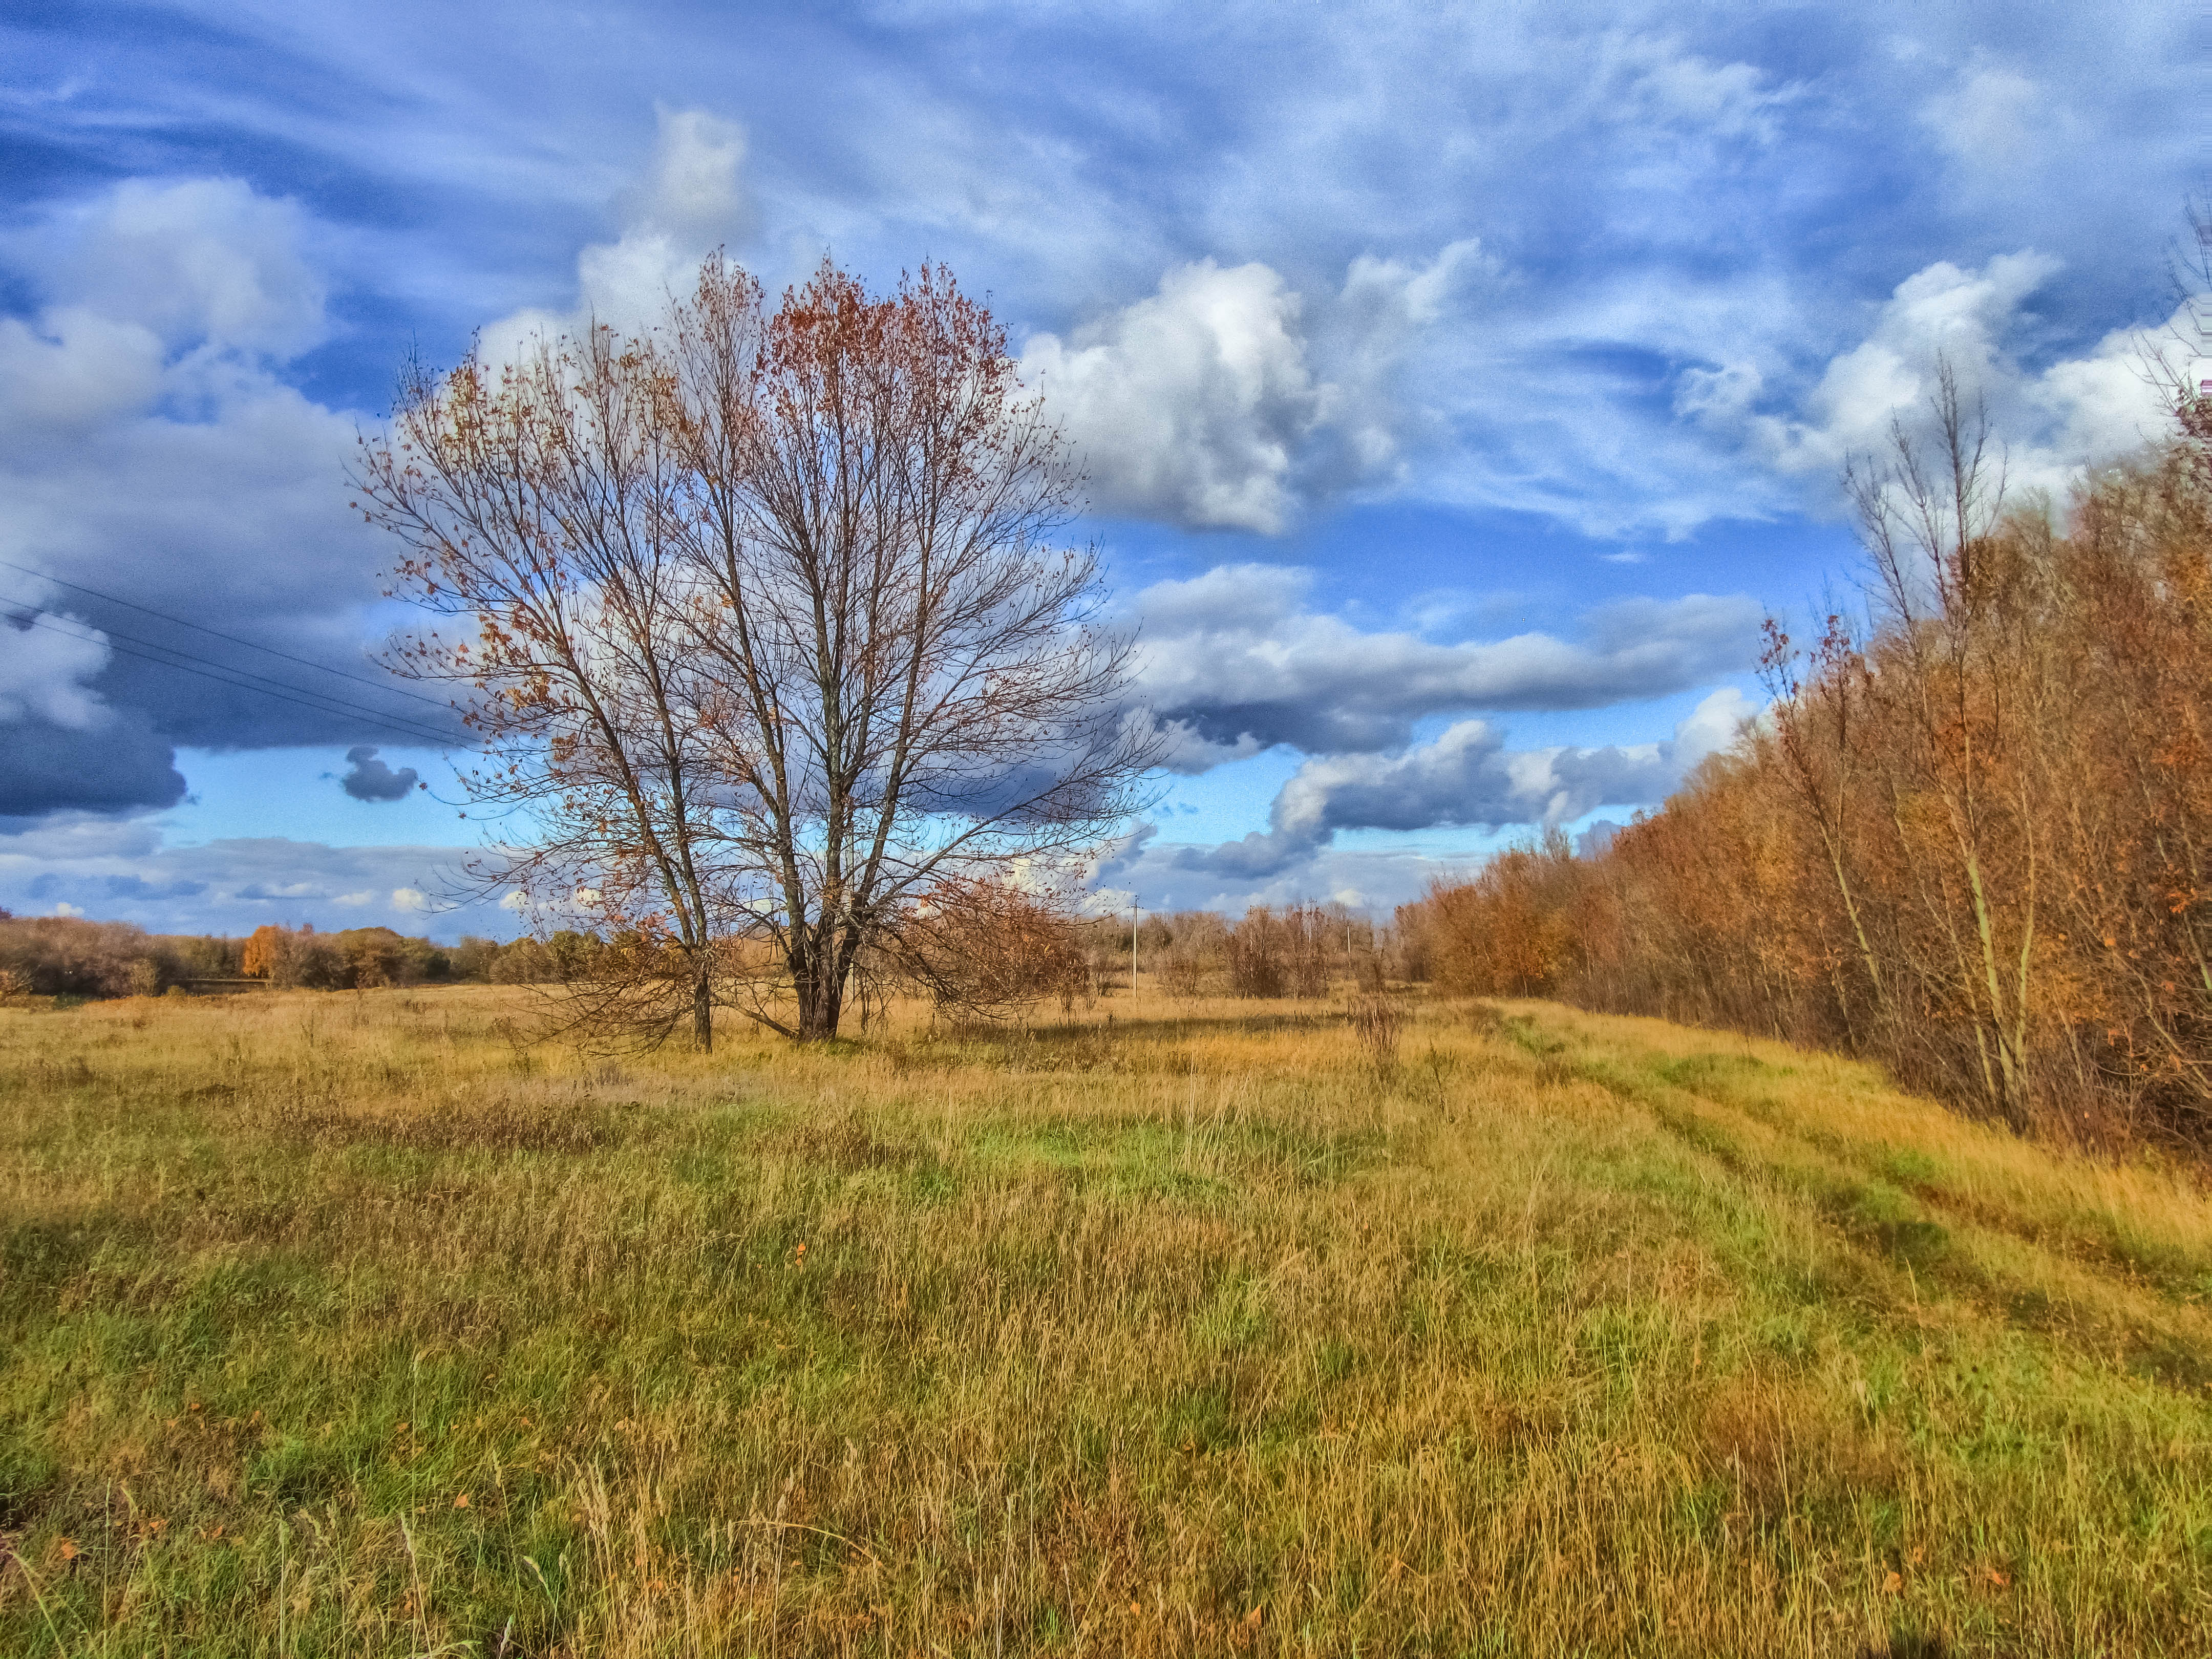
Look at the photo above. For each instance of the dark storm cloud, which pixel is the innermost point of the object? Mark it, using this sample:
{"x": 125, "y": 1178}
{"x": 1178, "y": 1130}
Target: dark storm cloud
{"x": 369, "y": 779}
{"x": 120, "y": 767}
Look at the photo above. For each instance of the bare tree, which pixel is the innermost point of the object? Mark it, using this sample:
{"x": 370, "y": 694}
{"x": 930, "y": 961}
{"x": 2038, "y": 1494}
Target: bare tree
{"x": 541, "y": 504}
{"x": 1928, "y": 517}
{"x": 904, "y": 680}
{"x": 772, "y": 640}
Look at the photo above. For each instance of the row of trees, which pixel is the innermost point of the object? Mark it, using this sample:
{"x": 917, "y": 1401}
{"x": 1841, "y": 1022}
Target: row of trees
{"x": 1299, "y": 950}
{"x": 64, "y": 955}
{"x": 67, "y": 956}
{"x": 993, "y": 951}
{"x": 1973, "y": 836}
{"x": 759, "y": 615}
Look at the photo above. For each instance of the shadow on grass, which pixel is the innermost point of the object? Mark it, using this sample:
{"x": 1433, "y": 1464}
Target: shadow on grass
{"x": 1908, "y": 1644}
{"x": 1163, "y": 1028}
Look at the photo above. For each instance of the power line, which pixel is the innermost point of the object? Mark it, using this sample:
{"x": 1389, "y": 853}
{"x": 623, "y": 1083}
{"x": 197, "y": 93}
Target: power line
{"x": 323, "y": 701}
{"x": 384, "y": 722}
{"x": 304, "y": 662}
{"x": 336, "y": 704}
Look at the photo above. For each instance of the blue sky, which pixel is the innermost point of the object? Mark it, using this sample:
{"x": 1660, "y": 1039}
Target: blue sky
{"x": 1458, "y": 385}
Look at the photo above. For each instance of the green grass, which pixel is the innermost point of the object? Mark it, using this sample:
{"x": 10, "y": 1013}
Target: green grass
{"x": 340, "y": 1325}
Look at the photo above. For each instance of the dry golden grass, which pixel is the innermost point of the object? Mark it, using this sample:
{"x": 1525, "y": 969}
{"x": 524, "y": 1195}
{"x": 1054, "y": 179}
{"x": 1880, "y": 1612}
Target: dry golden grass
{"x": 350, "y": 1324}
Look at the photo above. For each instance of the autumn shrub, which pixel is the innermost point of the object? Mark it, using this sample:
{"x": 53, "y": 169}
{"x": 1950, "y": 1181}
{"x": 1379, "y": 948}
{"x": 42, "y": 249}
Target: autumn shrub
{"x": 1972, "y": 838}
{"x": 66, "y": 956}
{"x": 986, "y": 948}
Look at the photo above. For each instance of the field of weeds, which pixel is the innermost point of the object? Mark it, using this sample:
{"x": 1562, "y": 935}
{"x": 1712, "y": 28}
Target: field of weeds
{"x": 354, "y": 1324}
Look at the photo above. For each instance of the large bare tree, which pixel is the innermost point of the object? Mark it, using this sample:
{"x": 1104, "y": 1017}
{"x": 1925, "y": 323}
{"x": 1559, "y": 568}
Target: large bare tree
{"x": 769, "y": 636}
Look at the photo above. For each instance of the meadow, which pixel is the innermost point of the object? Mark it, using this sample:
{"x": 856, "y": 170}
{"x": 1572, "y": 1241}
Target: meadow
{"x": 357, "y": 1323}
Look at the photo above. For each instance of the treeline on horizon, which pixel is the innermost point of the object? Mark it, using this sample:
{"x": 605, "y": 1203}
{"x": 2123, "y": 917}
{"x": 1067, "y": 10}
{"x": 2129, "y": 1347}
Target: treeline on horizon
{"x": 1298, "y": 951}
{"x": 1972, "y": 839}
{"x": 70, "y": 957}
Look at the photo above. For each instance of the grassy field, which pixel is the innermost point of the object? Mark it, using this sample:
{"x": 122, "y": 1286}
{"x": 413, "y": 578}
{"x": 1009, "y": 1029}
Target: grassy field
{"x": 339, "y": 1324}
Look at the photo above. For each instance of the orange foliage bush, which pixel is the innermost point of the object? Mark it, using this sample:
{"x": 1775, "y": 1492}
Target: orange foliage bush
{"x": 1972, "y": 836}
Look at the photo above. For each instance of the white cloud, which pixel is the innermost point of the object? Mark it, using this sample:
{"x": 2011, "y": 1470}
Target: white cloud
{"x": 149, "y": 445}
{"x": 1192, "y": 404}
{"x": 1225, "y": 400}
{"x": 43, "y": 666}
{"x": 2052, "y": 421}
{"x": 72, "y": 369}
{"x": 1991, "y": 116}
{"x": 1645, "y": 82}
{"x": 1466, "y": 778}
{"x": 202, "y": 263}
{"x": 1235, "y": 663}
{"x": 695, "y": 187}
{"x": 411, "y": 901}
{"x": 692, "y": 199}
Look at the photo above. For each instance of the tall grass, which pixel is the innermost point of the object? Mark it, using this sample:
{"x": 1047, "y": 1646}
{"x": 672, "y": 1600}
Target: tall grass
{"x": 359, "y": 1326}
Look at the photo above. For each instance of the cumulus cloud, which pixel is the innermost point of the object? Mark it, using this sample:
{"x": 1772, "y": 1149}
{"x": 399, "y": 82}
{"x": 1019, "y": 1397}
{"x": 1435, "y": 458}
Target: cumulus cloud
{"x": 368, "y": 779}
{"x": 207, "y": 264}
{"x": 150, "y": 447}
{"x": 692, "y": 199}
{"x": 1192, "y": 404}
{"x": 60, "y": 739}
{"x": 1233, "y": 662}
{"x": 47, "y": 660}
{"x": 1226, "y": 399}
{"x": 1467, "y": 777}
{"x": 2052, "y": 421}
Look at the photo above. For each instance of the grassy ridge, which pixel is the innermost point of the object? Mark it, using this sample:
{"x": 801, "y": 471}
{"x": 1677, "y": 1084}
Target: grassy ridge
{"x": 346, "y": 1325}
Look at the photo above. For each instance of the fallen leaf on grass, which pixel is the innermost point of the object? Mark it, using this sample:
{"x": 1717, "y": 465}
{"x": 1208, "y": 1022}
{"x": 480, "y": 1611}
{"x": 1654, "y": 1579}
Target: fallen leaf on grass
{"x": 1892, "y": 1584}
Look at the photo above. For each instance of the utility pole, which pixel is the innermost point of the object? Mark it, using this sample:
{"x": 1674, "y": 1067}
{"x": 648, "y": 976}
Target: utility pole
{"x": 1132, "y": 947}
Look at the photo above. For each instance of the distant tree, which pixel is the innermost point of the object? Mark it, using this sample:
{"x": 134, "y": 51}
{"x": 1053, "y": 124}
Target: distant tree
{"x": 526, "y": 962}
{"x": 472, "y": 958}
{"x": 266, "y": 947}
{"x": 765, "y": 631}
{"x": 54, "y": 956}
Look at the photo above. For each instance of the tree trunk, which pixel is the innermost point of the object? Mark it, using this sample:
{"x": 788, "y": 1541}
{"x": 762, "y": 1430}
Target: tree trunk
{"x": 702, "y": 1013}
{"x": 821, "y": 991}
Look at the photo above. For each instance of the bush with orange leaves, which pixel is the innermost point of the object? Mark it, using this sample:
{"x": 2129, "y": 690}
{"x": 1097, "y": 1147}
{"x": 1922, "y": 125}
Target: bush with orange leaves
{"x": 985, "y": 949}
{"x": 1972, "y": 836}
